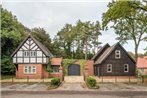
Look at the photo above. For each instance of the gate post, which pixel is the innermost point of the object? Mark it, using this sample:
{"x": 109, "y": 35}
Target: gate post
{"x": 61, "y": 73}
{"x": 86, "y": 74}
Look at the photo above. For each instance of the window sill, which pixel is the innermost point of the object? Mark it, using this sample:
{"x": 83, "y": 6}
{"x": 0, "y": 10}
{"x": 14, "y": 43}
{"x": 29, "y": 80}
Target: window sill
{"x": 55, "y": 73}
{"x": 29, "y": 73}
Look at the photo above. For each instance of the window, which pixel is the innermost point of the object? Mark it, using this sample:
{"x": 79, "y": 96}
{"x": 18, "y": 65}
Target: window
{"x": 109, "y": 67}
{"x": 29, "y": 69}
{"x": 29, "y": 53}
{"x": 33, "y": 53}
{"x": 26, "y": 53}
{"x": 117, "y": 54}
{"x": 126, "y": 68}
{"x": 55, "y": 68}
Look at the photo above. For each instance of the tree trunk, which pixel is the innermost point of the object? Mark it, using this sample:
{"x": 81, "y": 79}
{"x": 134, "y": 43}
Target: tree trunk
{"x": 136, "y": 52}
{"x": 86, "y": 51}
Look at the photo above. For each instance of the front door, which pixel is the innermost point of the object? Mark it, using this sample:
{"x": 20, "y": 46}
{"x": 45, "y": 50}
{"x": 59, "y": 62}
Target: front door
{"x": 96, "y": 70}
{"x": 74, "y": 70}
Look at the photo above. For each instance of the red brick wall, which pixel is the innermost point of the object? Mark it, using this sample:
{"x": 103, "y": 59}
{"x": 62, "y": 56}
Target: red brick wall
{"x": 40, "y": 71}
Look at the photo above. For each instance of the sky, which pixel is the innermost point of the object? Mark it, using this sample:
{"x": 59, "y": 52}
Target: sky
{"x": 53, "y": 15}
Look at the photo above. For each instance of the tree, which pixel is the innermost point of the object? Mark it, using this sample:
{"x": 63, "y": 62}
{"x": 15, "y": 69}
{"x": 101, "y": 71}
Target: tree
{"x": 12, "y": 33}
{"x": 42, "y": 36}
{"x": 129, "y": 23}
{"x": 79, "y": 40}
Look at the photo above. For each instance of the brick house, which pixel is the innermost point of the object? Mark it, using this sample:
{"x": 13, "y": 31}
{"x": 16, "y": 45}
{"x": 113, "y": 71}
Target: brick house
{"x": 56, "y": 63}
{"x": 142, "y": 65}
{"x": 31, "y": 59}
{"x": 112, "y": 61}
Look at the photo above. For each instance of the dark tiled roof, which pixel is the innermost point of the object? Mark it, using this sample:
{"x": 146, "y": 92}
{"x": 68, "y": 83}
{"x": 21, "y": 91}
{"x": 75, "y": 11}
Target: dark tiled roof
{"x": 100, "y": 51}
{"x": 105, "y": 54}
{"x": 40, "y": 45}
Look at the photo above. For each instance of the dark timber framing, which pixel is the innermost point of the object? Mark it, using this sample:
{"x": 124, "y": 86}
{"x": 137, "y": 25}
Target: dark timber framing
{"x": 106, "y": 55}
{"x": 36, "y": 47}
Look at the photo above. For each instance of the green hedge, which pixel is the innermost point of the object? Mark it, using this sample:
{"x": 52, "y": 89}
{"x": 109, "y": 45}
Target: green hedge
{"x": 91, "y": 82}
{"x": 55, "y": 81}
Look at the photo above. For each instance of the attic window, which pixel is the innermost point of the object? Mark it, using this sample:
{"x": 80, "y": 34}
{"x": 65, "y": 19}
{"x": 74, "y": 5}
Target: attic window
{"x": 126, "y": 68}
{"x": 117, "y": 54}
{"x": 29, "y": 53}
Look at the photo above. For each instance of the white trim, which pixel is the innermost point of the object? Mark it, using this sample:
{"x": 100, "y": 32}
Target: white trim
{"x": 109, "y": 66}
{"x": 126, "y": 66}
{"x": 117, "y": 54}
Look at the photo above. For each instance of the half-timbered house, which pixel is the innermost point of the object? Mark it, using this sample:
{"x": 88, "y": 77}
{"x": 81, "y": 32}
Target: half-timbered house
{"x": 113, "y": 61}
{"x": 31, "y": 59}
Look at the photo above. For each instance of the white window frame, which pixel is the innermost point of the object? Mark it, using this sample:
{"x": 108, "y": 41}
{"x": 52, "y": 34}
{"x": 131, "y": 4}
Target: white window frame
{"x": 109, "y": 66}
{"x": 30, "y": 53}
{"x": 26, "y": 53}
{"x": 117, "y": 54}
{"x": 27, "y": 71}
{"x": 126, "y": 67}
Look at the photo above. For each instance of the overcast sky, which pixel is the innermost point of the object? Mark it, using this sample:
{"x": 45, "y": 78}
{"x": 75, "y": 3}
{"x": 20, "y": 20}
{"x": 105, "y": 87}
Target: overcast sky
{"x": 53, "y": 15}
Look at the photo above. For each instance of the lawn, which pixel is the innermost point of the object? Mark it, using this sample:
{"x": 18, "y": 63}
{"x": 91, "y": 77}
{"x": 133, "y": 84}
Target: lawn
{"x": 7, "y": 77}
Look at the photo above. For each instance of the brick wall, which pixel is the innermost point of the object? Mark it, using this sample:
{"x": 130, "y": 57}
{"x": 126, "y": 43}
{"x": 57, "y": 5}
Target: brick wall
{"x": 40, "y": 71}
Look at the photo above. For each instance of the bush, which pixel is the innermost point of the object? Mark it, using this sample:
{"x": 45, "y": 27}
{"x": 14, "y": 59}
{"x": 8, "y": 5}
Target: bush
{"x": 7, "y": 67}
{"x": 55, "y": 81}
{"x": 91, "y": 82}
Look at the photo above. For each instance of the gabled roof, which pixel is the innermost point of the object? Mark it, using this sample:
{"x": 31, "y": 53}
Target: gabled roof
{"x": 142, "y": 62}
{"x": 100, "y": 51}
{"x": 108, "y": 51}
{"x": 56, "y": 61}
{"x": 40, "y": 45}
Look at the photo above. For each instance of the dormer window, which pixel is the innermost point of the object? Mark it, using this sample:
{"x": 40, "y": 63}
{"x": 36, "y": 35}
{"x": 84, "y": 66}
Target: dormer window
{"x": 117, "y": 54}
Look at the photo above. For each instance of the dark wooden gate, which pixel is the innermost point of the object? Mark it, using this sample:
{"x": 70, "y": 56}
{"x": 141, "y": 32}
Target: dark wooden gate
{"x": 74, "y": 70}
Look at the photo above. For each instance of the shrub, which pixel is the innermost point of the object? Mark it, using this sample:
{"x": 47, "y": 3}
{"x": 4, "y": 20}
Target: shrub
{"x": 91, "y": 81}
{"x": 55, "y": 81}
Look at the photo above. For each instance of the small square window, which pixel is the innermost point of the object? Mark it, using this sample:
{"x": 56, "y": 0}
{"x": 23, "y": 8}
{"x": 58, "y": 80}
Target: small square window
{"x": 126, "y": 68}
{"x": 109, "y": 67}
{"x": 117, "y": 54}
{"x": 55, "y": 68}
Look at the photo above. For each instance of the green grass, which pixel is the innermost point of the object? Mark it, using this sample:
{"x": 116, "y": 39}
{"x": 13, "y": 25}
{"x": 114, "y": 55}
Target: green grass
{"x": 7, "y": 77}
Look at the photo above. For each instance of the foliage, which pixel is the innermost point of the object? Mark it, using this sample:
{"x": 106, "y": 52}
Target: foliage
{"x": 55, "y": 81}
{"x": 7, "y": 67}
{"x": 42, "y": 36}
{"x": 77, "y": 41}
{"x": 7, "y": 77}
{"x": 12, "y": 32}
{"x": 129, "y": 23}
{"x": 91, "y": 81}
{"x": 48, "y": 68}
{"x": 67, "y": 62}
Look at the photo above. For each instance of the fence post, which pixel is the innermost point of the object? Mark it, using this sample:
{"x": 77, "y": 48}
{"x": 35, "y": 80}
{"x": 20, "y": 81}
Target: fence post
{"x": 12, "y": 79}
{"x": 86, "y": 74}
{"x": 43, "y": 78}
{"x": 27, "y": 79}
{"x": 129, "y": 79}
{"x": 115, "y": 79}
{"x": 142, "y": 79}
{"x": 61, "y": 73}
{"x": 102, "y": 77}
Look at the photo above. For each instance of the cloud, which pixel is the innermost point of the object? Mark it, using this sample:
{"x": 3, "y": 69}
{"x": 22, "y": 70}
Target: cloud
{"x": 54, "y": 15}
